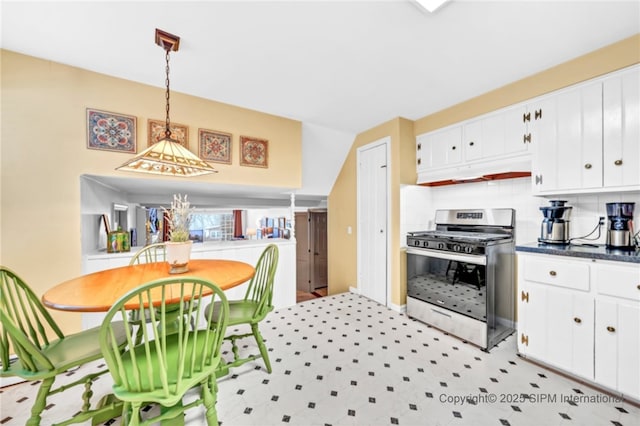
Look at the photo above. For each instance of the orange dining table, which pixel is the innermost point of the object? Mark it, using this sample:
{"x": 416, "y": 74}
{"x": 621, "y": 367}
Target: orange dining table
{"x": 98, "y": 291}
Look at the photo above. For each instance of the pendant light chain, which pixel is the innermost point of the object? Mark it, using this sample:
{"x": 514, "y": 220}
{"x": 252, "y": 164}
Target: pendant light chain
{"x": 167, "y": 156}
{"x": 167, "y": 129}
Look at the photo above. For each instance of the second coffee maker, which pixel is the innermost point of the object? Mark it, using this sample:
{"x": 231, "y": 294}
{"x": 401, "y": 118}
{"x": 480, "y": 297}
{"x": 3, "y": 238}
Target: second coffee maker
{"x": 555, "y": 225}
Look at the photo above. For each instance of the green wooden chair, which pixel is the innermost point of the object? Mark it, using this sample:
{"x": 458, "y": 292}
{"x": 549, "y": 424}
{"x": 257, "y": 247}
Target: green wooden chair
{"x": 152, "y": 253}
{"x": 163, "y": 366}
{"x": 257, "y": 303}
{"x": 43, "y": 351}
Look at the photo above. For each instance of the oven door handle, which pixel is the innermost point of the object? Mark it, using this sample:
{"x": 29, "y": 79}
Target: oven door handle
{"x": 468, "y": 258}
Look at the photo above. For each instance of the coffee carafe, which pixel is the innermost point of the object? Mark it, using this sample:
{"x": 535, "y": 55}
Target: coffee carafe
{"x": 620, "y": 229}
{"x": 555, "y": 225}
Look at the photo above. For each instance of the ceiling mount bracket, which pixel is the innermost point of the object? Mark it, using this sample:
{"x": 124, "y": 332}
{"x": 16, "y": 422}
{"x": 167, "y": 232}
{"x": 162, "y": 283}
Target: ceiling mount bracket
{"x": 167, "y": 40}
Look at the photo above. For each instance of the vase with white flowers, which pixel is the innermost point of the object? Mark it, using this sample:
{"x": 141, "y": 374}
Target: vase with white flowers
{"x": 179, "y": 245}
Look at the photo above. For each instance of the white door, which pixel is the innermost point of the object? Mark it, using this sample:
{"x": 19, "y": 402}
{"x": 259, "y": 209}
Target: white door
{"x": 372, "y": 221}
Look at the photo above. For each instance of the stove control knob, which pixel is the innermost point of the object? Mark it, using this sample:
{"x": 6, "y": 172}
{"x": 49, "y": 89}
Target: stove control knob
{"x": 440, "y": 246}
{"x": 416, "y": 243}
{"x": 457, "y": 247}
{"x": 468, "y": 249}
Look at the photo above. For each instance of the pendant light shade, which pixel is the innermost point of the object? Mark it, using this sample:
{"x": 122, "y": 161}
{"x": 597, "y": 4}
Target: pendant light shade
{"x": 167, "y": 156}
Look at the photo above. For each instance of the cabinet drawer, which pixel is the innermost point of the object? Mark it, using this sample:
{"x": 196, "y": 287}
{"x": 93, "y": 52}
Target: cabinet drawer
{"x": 619, "y": 281}
{"x": 557, "y": 273}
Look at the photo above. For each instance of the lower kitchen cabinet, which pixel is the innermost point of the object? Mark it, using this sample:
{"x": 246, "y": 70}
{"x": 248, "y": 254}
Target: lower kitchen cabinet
{"x": 581, "y": 316}
{"x": 617, "y": 329}
{"x": 555, "y": 315}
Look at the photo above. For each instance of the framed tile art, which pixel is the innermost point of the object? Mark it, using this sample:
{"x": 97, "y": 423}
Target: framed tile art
{"x": 179, "y": 132}
{"x": 254, "y": 152}
{"x": 110, "y": 131}
{"x": 214, "y": 146}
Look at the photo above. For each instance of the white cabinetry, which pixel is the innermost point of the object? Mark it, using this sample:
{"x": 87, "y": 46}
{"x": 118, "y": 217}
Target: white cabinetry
{"x": 568, "y": 146}
{"x": 555, "y": 321}
{"x": 581, "y": 139}
{"x": 489, "y": 144}
{"x": 439, "y": 149}
{"x": 498, "y": 134}
{"x": 617, "y": 328}
{"x": 621, "y": 103}
{"x": 589, "y": 140}
{"x": 581, "y": 316}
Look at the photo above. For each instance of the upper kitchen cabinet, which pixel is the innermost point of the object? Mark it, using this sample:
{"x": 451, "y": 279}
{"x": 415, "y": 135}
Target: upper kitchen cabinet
{"x": 439, "y": 149}
{"x": 487, "y": 145}
{"x": 621, "y": 143}
{"x": 503, "y": 133}
{"x": 589, "y": 138}
{"x": 568, "y": 141}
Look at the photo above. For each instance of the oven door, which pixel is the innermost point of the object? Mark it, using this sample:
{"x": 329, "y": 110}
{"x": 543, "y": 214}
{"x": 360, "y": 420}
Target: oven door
{"x": 452, "y": 281}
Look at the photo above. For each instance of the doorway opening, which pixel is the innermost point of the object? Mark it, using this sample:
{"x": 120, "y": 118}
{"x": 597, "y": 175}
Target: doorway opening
{"x": 311, "y": 253}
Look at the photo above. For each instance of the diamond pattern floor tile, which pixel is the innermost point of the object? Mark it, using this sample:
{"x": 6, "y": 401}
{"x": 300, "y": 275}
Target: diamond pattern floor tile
{"x": 346, "y": 360}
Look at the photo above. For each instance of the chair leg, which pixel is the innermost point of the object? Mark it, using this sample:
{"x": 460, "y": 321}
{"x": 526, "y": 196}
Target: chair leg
{"x": 261, "y": 346}
{"x": 209, "y": 395}
{"x": 40, "y": 402}
{"x": 134, "y": 415}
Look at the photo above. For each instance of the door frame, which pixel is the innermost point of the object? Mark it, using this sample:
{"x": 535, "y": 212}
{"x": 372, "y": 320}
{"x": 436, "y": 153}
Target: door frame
{"x": 362, "y": 240}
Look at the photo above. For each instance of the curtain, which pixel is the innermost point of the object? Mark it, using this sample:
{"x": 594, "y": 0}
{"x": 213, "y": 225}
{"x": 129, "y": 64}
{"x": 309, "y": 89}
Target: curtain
{"x": 237, "y": 224}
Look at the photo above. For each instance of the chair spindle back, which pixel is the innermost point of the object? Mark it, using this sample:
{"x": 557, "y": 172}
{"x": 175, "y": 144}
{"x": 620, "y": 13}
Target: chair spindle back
{"x": 26, "y": 324}
{"x": 169, "y": 357}
{"x": 260, "y": 288}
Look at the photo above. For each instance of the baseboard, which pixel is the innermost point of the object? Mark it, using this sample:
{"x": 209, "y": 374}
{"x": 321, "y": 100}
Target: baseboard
{"x": 354, "y": 290}
{"x": 398, "y": 308}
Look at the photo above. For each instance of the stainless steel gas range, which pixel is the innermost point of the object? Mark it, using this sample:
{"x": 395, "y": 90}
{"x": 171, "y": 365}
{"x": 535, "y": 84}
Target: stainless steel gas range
{"x": 461, "y": 276}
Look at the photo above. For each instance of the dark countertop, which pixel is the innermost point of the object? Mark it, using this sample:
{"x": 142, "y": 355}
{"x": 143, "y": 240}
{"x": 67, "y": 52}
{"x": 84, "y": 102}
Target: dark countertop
{"x": 599, "y": 251}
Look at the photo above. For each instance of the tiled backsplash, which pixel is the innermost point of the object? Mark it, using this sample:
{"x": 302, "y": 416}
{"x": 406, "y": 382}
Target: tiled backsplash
{"x": 420, "y": 203}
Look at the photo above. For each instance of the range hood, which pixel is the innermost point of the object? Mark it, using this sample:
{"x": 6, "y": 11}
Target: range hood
{"x": 496, "y": 169}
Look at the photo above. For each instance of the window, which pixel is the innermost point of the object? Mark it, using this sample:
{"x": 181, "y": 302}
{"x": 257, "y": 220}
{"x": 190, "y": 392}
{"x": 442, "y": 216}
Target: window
{"x": 215, "y": 225}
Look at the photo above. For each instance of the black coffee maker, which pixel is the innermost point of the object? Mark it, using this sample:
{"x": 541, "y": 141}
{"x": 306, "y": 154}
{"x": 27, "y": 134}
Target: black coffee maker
{"x": 555, "y": 225}
{"x": 620, "y": 230}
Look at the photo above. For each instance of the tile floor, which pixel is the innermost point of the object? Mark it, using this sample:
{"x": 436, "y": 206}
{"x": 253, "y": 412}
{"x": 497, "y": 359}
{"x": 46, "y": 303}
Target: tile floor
{"x": 346, "y": 360}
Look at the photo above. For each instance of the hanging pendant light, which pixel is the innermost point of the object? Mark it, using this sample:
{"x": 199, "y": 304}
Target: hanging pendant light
{"x": 167, "y": 156}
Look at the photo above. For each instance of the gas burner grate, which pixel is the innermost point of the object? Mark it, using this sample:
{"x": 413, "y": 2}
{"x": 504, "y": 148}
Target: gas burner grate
{"x": 460, "y": 235}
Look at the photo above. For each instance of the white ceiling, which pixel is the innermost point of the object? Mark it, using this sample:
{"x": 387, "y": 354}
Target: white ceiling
{"x": 344, "y": 65}
{"x": 339, "y": 67}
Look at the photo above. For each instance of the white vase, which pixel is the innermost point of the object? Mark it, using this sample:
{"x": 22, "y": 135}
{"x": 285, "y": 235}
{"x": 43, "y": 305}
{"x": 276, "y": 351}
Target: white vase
{"x": 178, "y": 255}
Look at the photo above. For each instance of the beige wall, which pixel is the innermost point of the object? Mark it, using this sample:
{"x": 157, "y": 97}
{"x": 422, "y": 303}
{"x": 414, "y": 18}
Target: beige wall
{"x": 43, "y": 152}
{"x": 342, "y": 211}
{"x": 342, "y": 200}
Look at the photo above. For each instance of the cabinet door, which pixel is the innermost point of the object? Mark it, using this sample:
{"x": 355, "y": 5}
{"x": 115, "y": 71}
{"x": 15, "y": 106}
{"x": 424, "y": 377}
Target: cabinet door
{"x": 441, "y": 148}
{"x": 446, "y": 149}
{"x": 617, "y": 346}
{"x": 516, "y": 129}
{"x": 472, "y": 140}
{"x": 621, "y": 100}
{"x": 532, "y": 320}
{"x": 579, "y": 138}
{"x": 570, "y": 331}
{"x": 543, "y": 141}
